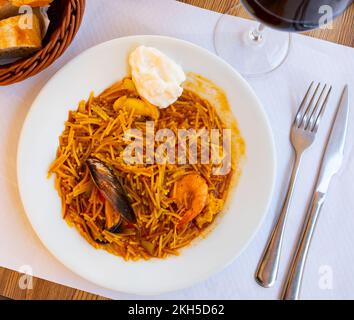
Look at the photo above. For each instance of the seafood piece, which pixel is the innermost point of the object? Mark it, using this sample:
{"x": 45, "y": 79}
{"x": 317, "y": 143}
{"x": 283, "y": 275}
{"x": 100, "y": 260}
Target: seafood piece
{"x": 140, "y": 107}
{"x": 124, "y": 87}
{"x": 129, "y": 85}
{"x": 192, "y": 194}
{"x": 213, "y": 207}
{"x": 148, "y": 246}
{"x": 108, "y": 184}
{"x": 113, "y": 218}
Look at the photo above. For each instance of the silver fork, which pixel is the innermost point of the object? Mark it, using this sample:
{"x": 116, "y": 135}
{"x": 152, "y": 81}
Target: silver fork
{"x": 303, "y": 133}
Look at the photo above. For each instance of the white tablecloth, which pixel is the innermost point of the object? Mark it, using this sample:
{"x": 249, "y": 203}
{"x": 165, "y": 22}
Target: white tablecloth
{"x": 331, "y": 257}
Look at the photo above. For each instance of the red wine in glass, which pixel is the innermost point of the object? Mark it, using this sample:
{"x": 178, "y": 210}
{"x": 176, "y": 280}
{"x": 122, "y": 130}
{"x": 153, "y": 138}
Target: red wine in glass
{"x": 253, "y": 49}
{"x": 295, "y": 15}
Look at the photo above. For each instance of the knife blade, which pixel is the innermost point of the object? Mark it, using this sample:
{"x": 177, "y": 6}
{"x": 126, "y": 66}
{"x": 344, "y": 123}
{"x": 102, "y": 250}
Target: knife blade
{"x": 333, "y": 156}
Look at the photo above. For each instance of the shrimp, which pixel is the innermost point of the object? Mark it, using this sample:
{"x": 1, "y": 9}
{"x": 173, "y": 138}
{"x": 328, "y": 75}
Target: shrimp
{"x": 191, "y": 193}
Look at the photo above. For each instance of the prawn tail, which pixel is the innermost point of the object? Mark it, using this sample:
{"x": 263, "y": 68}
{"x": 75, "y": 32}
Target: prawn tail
{"x": 186, "y": 218}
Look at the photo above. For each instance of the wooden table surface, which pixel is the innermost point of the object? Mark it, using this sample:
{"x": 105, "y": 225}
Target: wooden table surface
{"x": 341, "y": 33}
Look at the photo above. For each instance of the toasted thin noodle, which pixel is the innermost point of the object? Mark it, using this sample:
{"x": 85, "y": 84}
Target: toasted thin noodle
{"x": 96, "y": 130}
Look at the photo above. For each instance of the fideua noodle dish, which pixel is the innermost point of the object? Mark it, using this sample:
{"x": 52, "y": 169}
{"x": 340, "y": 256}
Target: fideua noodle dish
{"x": 147, "y": 166}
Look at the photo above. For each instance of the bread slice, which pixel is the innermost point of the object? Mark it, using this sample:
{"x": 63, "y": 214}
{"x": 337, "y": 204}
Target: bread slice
{"x": 7, "y": 9}
{"x": 17, "y": 41}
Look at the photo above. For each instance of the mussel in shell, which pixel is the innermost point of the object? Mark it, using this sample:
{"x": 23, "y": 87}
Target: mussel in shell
{"x": 118, "y": 207}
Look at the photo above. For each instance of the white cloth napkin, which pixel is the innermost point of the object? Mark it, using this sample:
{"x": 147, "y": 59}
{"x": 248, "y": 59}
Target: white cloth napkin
{"x": 329, "y": 269}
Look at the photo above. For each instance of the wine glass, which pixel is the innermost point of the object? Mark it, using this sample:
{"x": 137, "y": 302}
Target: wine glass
{"x": 254, "y": 49}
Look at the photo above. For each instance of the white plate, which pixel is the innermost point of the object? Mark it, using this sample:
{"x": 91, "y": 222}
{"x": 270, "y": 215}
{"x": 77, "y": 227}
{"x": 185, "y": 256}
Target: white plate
{"x": 96, "y": 69}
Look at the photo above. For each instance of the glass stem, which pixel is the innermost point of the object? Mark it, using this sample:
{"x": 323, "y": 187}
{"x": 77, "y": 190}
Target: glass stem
{"x": 256, "y": 34}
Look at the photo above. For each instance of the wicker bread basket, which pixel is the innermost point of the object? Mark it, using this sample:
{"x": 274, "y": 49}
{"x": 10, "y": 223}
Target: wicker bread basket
{"x": 65, "y": 17}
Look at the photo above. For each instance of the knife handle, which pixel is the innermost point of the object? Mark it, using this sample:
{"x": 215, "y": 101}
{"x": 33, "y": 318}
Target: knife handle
{"x": 292, "y": 285}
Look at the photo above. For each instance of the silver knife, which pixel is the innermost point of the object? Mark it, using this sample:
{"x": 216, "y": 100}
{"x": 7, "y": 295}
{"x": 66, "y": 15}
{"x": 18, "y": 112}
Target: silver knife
{"x": 331, "y": 162}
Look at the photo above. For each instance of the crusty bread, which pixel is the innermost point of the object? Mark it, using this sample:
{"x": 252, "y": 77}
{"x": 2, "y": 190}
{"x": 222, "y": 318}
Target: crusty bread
{"x": 32, "y": 3}
{"x": 17, "y": 41}
{"x": 10, "y": 8}
{"x": 7, "y": 9}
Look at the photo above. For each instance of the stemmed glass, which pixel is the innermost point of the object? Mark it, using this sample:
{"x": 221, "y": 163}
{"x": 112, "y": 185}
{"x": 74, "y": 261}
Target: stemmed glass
{"x": 254, "y": 49}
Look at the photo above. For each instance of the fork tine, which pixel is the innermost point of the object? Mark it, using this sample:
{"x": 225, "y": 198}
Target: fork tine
{"x": 308, "y": 111}
{"x": 323, "y": 107}
{"x": 315, "y": 110}
{"x": 299, "y": 114}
